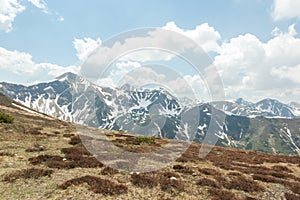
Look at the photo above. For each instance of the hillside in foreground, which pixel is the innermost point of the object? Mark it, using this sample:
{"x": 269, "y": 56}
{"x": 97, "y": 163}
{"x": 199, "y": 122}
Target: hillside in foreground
{"x": 43, "y": 158}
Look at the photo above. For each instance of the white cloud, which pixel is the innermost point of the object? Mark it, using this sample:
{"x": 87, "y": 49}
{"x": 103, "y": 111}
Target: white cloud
{"x": 206, "y": 36}
{"x": 252, "y": 68}
{"x": 139, "y": 76}
{"x": 21, "y": 66}
{"x": 153, "y": 45}
{"x": 285, "y": 72}
{"x": 8, "y": 12}
{"x": 286, "y": 9}
{"x": 85, "y": 47}
{"x": 40, "y": 4}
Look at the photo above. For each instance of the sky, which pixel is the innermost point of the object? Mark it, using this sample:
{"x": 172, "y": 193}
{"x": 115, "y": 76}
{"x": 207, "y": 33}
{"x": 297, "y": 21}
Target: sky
{"x": 254, "y": 44}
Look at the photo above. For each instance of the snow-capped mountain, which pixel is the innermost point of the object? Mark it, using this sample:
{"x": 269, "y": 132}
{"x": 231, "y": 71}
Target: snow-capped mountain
{"x": 266, "y": 107}
{"x": 157, "y": 113}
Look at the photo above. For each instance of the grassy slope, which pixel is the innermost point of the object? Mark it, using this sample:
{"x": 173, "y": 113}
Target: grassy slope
{"x": 224, "y": 174}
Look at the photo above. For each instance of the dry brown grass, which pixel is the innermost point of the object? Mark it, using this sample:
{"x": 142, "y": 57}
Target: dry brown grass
{"x": 78, "y": 149}
{"x": 34, "y": 131}
{"x": 36, "y": 148}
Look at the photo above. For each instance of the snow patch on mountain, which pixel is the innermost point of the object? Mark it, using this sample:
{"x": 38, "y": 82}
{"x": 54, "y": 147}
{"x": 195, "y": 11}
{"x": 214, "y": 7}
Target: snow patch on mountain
{"x": 25, "y": 109}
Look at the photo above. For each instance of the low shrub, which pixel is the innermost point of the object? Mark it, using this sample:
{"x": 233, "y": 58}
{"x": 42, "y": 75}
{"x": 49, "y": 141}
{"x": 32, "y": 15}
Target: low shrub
{"x": 7, "y": 154}
{"x": 281, "y": 168}
{"x": 170, "y": 174}
{"x": 294, "y": 186}
{"x": 109, "y": 171}
{"x": 60, "y": 164}
{"x": 79, "y": 150}
{"x": 34, "y": 131}
{"x": 171, "y": 184}
{"x": 97, "y": 185}
{"x": 43, "y": 158}
{"x": 27, "y": 173}
{"x": 183, "y": 169}
{"x": 268, "y": 179}
{"x": 190, "y": 155}
{"x": 291, "y": 196}
{"x": 218, "y": 194}
{"x": 234, "y": 174}
{"x": 207, "y": 182}
{"x": 144, "y": 180}
{"x": 75, "y": 140}
{"x": 35, "y": 148}
{"x": 145, "y": 139}
{"x": 6, "y": 118}
{"x": 244, "y": 184}
{"x": 68, "y": 135}
{"x": 209, "y": 171}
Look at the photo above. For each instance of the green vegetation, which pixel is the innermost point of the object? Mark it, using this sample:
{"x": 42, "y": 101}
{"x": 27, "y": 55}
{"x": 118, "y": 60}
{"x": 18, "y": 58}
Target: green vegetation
{"x": 144, "y": 139}
{"x": 5, "y": 118}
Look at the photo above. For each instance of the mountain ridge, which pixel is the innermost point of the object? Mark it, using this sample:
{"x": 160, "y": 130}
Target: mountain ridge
{"x": 267, "y": 125}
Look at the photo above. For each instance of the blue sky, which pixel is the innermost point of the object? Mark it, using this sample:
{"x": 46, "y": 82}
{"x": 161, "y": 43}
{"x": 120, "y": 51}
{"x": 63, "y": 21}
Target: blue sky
{"x": 49, "y": 40}
{"x": 41, "y": 34}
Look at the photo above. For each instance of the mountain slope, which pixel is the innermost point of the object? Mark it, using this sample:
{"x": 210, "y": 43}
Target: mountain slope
{"x": 158, "y": 113}
{"x": 50, "y": 162}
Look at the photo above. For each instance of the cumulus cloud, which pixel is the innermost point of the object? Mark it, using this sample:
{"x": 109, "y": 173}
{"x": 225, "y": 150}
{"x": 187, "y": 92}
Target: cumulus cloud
{"x": 286, "y": 9}
{"x": 206, "y": 36}
{"x": 158, "y": 46}
{"x": 85, "y": 47}
{"x": 9, "y": 9}
{"x": 285, "y": 72}
{"x": 21, "y": 65}
{"x": 148, "y": 45}
{"x": 252, "y": 68}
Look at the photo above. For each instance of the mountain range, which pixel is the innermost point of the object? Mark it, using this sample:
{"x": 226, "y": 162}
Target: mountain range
{"x": 268, "y": 125}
